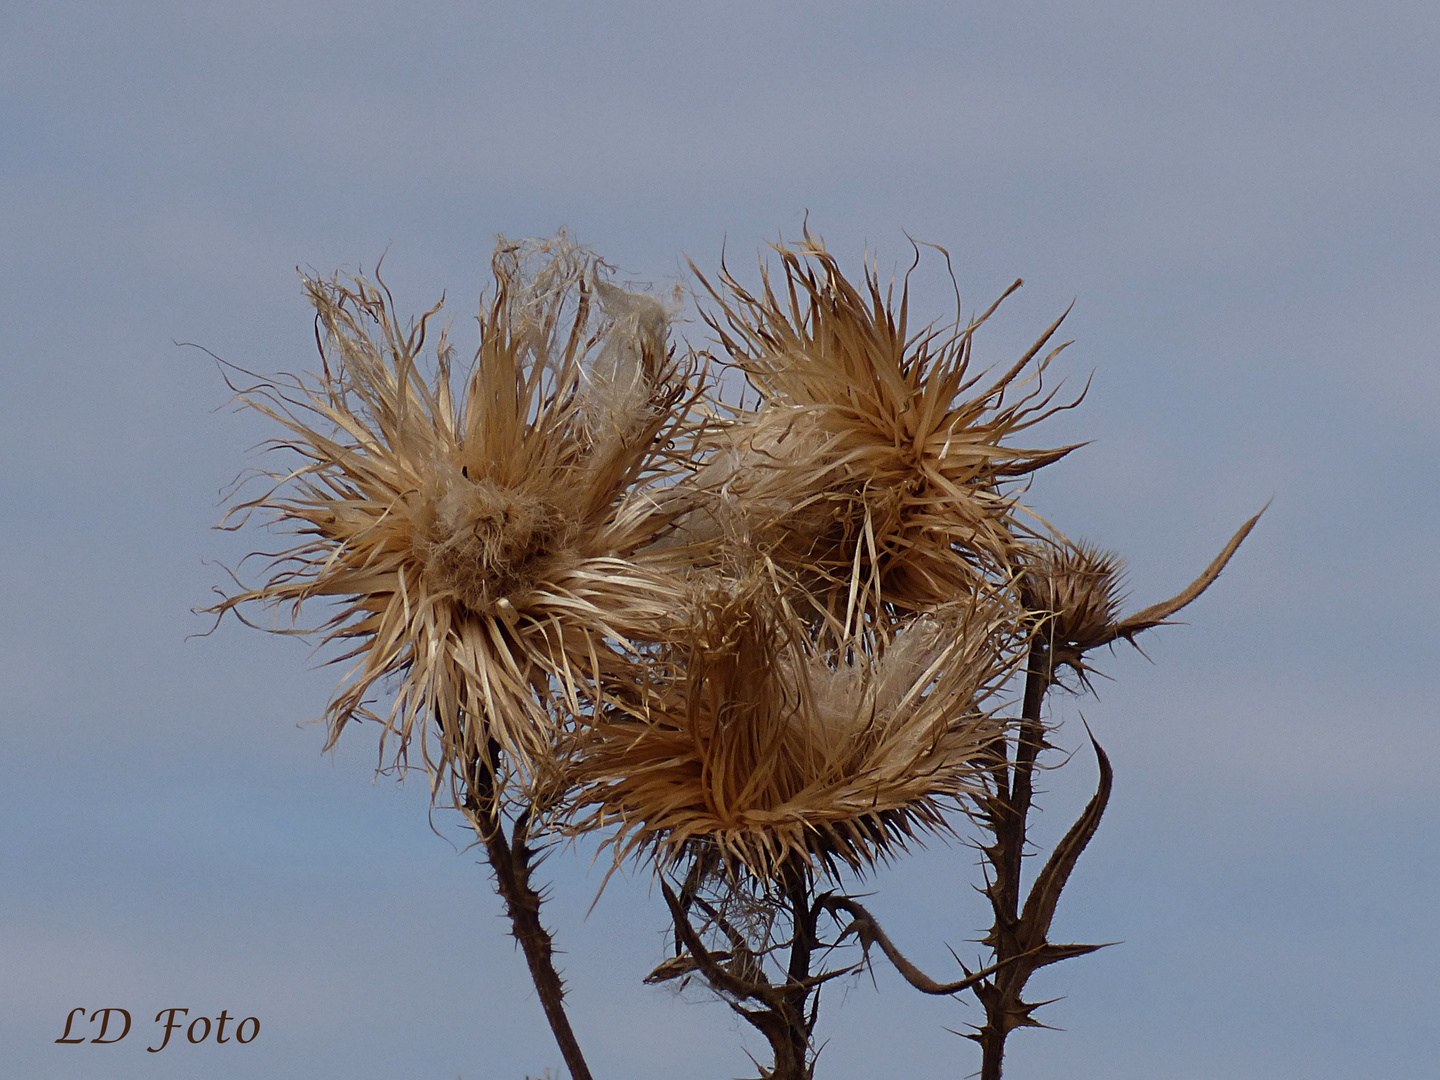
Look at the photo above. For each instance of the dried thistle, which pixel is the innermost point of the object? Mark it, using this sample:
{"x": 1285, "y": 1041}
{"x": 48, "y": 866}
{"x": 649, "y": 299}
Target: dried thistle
{"x": 760, "y": 649}
{"x": 485, "y": 547}
{"x": 873, "y": 446}
{"x": 1073, "y": 590}
{"x": 755, "y": 744}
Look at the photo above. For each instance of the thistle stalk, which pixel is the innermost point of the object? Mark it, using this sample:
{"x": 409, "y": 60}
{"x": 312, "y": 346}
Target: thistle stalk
{"x": 792, "y": 1057}
{"x": 1008, "y": 814}
{"x": 1070, "y": 592}
{"x": 511, "y": 861}
{"x": 1017, "y": 792}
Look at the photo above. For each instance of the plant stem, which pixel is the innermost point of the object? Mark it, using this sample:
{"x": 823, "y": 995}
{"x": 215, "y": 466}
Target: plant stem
{"x": 1016, "y": 800}
{"x": 512, "y": 865}
{"x": 785, "y": 1012}
{"x": 1011, "y": 808}
{"x": 798, "y": 1021}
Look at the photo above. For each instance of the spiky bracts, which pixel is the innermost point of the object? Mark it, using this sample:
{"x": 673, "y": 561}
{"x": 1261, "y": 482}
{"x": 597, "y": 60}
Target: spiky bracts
{"x": 1072, "y": 592}
{"x": 481, "y": 533}
{"x": 752, "y": 743}
{"x": 874, "y": 447}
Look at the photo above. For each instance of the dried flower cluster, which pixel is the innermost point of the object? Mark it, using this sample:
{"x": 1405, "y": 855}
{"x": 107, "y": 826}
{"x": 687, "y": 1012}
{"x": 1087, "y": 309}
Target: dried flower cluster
{"x": 757, "y": 643}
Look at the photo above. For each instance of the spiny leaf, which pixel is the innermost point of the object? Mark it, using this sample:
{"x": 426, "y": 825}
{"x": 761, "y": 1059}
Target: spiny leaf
{"x": 1045, "y": 893}
{"x": 1156, "y": 614}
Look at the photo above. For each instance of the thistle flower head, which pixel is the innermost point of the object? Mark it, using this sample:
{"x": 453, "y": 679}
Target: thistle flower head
{"x": 481, "y": 535}
{"x": 759, "y": 747}
{"x": 873, "y": 445}
{"x": 1074, "y": 588}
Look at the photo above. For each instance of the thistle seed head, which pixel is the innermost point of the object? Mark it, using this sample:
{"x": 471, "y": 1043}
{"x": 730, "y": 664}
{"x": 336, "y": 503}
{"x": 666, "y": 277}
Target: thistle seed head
{"x": 485, "y": 543}
{"x": 488, "y": 536}
{"x": 766, "y": 751}
{"x": 873, "y": 443}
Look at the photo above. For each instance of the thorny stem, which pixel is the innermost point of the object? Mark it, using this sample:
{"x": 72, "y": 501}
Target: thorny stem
{"x": 797, "y": 1024}
{"x": 785, "y": 1013}
{"x": 1019, "y": 790}
{"x": 1019, "y": 936}
{"x": 1010, "y": 811}
{"x": 511, "y": 862}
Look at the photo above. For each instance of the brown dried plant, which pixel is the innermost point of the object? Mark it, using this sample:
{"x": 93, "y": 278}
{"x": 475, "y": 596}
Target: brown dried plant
{"x": 766, "y": 751}
{"x": 874, "y": 465}
{"x": 486, "y": 550}
{"x": 759, "y": 647}
{"x": 484, "y": 545}
{"x": 871, "y": 479}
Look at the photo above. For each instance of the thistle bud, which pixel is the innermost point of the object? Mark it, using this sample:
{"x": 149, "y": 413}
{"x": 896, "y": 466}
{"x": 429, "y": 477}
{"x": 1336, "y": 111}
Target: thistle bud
{"x": 1073, "y": 590}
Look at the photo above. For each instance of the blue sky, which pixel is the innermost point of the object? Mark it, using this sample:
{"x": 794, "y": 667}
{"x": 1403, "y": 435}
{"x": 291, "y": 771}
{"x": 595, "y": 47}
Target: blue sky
{"x": 1240, "y": 199}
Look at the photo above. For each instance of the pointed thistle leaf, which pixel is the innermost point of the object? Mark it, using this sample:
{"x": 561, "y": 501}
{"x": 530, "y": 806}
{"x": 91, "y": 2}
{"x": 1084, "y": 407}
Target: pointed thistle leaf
{"x": 869, "y": 932}
{"x": 1052, "y": 954}
{"x": 1045, "y": 893}
{"x": 1156, "y": 614}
